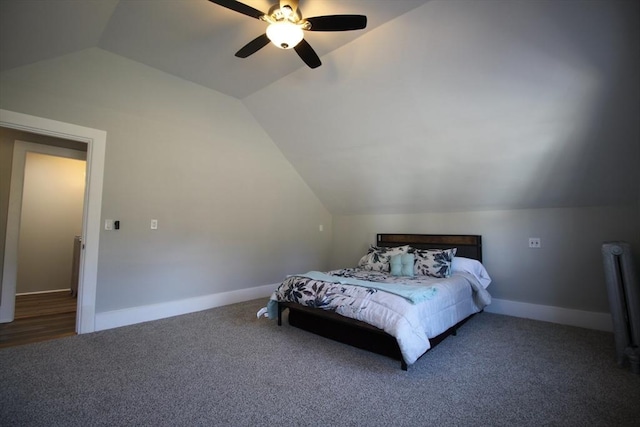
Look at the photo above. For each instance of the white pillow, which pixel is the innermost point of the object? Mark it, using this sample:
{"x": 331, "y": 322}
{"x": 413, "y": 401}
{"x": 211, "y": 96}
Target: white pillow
{"x": 473, "y": 267}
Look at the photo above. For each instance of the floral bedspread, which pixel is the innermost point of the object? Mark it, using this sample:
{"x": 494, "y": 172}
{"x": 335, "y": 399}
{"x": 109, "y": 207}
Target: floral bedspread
{"x": 394, "y": 314}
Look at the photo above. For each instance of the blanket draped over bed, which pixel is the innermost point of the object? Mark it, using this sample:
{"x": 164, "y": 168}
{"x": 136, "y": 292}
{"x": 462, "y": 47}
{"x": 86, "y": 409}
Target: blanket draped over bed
{"x": 401, "y": 306}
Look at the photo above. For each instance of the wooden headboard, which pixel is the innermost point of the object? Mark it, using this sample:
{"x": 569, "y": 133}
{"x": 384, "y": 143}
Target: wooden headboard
{"x": 469, "y": 246}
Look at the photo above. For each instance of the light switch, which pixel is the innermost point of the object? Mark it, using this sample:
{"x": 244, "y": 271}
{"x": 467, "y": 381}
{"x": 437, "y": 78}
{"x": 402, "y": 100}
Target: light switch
{"x": 108, "y": 224}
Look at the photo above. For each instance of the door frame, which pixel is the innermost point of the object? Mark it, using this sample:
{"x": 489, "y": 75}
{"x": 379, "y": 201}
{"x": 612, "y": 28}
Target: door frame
{"x": 96, "y": 144}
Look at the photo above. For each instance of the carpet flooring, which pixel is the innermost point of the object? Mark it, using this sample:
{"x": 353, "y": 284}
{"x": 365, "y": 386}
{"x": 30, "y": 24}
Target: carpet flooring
{"x": 226, "y": 367}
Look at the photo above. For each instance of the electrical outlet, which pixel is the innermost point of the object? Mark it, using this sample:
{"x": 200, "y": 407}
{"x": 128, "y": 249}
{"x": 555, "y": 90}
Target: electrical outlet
{"x": 534, "y": 242}
{"x": 154, "y": 224}
{"x": 108, "y": 224}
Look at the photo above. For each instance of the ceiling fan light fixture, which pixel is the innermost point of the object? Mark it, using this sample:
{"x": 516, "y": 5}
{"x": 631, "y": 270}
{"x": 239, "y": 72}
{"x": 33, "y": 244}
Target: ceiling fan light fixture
{"x": 286, "y": 26}
{"x": 284, "y": 34}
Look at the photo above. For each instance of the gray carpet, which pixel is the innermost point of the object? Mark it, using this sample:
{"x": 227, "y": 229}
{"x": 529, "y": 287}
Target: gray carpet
{"x": 225, "y": 367}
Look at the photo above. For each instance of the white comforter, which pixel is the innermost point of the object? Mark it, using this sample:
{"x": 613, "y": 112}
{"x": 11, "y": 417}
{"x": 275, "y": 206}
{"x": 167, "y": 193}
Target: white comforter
{"x": 411, "y": 324}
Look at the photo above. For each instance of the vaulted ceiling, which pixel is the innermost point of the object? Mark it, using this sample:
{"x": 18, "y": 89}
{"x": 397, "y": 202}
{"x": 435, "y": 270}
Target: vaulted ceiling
{"x": 192, "y": 39}
{"x": 437, "y": 106}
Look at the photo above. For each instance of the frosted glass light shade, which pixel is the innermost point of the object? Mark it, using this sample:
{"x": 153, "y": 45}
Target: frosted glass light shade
{"x": 284, "y": 34}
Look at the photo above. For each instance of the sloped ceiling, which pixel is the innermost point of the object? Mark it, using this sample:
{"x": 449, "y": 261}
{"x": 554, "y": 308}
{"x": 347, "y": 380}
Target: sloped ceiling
{"x": 468, "y": 105}
{"x": 438, "y": 106}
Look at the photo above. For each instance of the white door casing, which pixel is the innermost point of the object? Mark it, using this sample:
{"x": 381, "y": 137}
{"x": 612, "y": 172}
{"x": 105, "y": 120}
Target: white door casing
{"x": 96, "y": 144}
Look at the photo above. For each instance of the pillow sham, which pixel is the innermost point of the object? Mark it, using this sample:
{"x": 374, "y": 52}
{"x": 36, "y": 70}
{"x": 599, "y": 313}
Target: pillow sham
{"x": 377, "y": 258}
{"x": 402, "y": 265}
{"x": 473, "y": 267}
{"x": 434, "y": 262}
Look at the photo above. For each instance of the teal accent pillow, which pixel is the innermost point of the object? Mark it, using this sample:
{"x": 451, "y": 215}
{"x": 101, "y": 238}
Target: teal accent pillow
{"x": 402, "y": 265}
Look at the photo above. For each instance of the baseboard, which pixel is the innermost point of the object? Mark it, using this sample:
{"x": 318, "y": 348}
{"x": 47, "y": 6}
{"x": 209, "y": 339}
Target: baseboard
{"x": 546, "y": 313}
{"x": 130, "y": 316}
{"x": 44, "y": 292}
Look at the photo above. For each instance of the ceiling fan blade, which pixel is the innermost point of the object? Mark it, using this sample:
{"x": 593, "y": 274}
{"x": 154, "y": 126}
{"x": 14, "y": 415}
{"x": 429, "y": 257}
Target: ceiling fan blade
{"x": 239, "y": 7}
{"x": 253, "y": 46}
{"x": 337, "y": 22}
{"x": 307, "y": 54}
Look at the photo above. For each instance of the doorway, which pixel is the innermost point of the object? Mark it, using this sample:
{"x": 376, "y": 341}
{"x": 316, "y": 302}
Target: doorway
{"x": 53, "y": 184}
{"x": 48, "y": 181}
{"x": 50, "y": 214}
{"x": 95, "y": 142}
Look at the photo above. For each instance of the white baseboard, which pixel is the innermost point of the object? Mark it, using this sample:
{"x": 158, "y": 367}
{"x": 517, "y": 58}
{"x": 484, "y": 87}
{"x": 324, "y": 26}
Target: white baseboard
{"x": 546, "y": 313}
{"x": 44, "y": 292}
{"x": 130, "y": 316}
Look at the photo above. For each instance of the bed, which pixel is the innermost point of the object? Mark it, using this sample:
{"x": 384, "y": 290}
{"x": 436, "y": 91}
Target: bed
{"x": 391, "y": 303}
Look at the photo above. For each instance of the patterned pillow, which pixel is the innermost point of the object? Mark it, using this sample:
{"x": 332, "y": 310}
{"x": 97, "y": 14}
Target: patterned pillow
{"x": 434, "y": 262}
{"x": 377, "y": 258}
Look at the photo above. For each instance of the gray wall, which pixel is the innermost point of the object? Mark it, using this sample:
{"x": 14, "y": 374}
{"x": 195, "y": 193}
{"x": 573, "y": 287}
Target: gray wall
{"x": 565, "y": 272}
{"x": 232, "y": 211}
{"x": 509, "y": 119}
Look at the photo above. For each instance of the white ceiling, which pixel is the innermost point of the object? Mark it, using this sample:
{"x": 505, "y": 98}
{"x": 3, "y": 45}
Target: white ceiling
{"x": 455, "y": 105}
{"x": 192, "y": 39}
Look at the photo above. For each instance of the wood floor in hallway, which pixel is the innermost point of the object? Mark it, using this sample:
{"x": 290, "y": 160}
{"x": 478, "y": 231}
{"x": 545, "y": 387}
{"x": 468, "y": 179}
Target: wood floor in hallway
{"x": 40, "y": 317}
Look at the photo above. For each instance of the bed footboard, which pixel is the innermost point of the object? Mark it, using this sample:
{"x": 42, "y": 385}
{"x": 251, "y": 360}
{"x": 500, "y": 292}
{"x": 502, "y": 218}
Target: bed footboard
{"x": 353, "y": 332}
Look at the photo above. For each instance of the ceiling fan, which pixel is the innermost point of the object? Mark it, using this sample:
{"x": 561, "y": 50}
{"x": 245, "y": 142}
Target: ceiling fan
{"x": 286, "y": 27}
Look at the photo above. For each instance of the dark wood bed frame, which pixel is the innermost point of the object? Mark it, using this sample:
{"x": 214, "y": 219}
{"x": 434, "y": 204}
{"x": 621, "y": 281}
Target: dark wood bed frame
{"x": 362, "y": 335}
